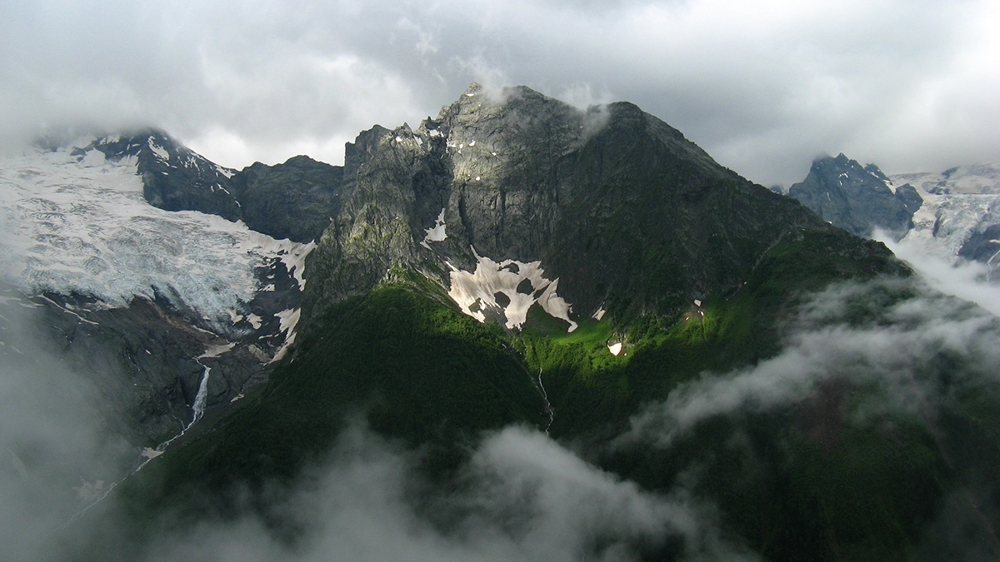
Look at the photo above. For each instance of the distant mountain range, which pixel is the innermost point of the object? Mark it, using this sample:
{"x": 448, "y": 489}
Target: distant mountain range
{"x": 582, "y": 275}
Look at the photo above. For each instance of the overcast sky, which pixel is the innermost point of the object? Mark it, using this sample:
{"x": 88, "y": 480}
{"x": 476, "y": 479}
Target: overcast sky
{"x": 763, "y": 86}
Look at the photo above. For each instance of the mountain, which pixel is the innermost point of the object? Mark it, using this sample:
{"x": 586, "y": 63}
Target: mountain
{"x": 952, "y": 213}
{"x": 855, "y": 198}
{"x": 518, "y": 330}
{"x": 294, "y": 200}
{"x": 627, "y": 214}
{"x": 144, "y": 300}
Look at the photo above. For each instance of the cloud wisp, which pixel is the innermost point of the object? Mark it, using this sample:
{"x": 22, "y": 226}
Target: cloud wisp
{"x": 890, "y": 334}
{"x": 56, "y": 453}
{"x": 523, "y": 497}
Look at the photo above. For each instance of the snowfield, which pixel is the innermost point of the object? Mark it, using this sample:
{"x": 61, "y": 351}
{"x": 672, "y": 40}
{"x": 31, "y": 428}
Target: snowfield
{"x": 478, "y": 291}
{"x": 80, "y": 224}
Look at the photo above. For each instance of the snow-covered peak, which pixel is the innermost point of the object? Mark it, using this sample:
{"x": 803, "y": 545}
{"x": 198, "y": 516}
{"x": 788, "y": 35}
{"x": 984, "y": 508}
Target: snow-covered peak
{"x": 74, "y": 221}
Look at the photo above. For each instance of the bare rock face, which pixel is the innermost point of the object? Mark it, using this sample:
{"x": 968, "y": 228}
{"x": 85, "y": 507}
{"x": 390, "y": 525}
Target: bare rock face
{"x": 618, "y": 206}
{"x": 855, "y": 198}
{"x": 295, "y": 200}
{"x": 174, "y": 177}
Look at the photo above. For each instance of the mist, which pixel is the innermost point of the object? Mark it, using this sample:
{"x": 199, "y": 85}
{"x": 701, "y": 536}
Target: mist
{"x": 895, "y": 349}
{"x": 522, "y": 497}
{"x": 57, "y": 454}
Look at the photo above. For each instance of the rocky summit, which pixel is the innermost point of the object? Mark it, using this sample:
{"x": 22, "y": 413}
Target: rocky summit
{"x": 953, "y": 215}
{"x": 857, "y": 198}
{"x": 629, "y": 215}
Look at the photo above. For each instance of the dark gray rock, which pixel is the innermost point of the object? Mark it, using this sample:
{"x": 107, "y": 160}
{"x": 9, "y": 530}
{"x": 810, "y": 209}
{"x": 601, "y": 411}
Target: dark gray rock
{"x": 295, "y": 200}
{"x": 174, "y": 177}
{"x": 856, "y": 198}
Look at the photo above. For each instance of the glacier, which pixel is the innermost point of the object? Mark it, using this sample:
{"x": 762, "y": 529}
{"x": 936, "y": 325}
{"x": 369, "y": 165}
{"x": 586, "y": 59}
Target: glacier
{"x": 75, "y": 223}
{"x": 958, "y": 204}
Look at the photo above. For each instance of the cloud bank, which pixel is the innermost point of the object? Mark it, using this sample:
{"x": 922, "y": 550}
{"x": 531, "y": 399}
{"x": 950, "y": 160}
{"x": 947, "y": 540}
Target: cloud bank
{"x": 761, "y": 86}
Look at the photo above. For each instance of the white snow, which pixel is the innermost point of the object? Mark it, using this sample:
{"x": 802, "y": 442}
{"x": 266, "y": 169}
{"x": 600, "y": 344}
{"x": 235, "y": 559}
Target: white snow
{"x": 615, "y": 348}
{"x": 288, "y": 319}
{"x": 955, "y": 206}
{"x": 599, "y": 314}
{"x": 697, "y": 302}
{"x": 294, "y": 257}
{"x": 84, "y": 226}
{"x": 475, "y": 292}
{"x": 225, "y": 171}
{"x": 159, "y": 151}
{"x": 437, "y": 232}
{"x": 150, "y": 453}
{"x": 255, "y": 321}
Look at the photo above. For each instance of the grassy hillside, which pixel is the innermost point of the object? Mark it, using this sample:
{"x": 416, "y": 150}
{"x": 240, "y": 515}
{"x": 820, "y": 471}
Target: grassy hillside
{"x": 797, "y": 481}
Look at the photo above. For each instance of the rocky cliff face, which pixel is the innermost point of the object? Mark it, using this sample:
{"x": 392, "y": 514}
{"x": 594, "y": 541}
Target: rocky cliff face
{"x": 295, "y": 200}
{"x": 625, "y": 212}
{"x": 857, "y": 198}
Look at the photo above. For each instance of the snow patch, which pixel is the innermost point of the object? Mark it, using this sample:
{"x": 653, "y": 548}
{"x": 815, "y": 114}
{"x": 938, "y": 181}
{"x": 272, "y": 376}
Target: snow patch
{"x": 437, "y": 232}
{"x": 294, "y": 256}
{"x": 477, "y": 292}
{"x": 255, "y": 321}
{"x": 615, "y": 348}
{"x": 288, "y": 320}
{"x": 599, "y": 314}
{"x": 217, "y": 350}
{"x": 225, "y": 171}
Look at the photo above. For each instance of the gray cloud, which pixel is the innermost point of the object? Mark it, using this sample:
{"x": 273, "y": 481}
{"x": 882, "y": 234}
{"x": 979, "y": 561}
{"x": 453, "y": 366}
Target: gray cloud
{"x": 763, "y": 86}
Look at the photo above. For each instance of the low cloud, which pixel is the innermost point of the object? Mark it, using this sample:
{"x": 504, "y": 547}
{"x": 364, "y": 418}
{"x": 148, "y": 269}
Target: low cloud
{"x": 522, "y": 497}
{"x": 887, "y": 333}
{"x": 968, "y": 280}
{"x": 56, "y": 453}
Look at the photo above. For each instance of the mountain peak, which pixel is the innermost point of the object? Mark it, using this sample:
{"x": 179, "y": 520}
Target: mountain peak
{"x": 856, "y": 198}
{"x": 606, "y": 200}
